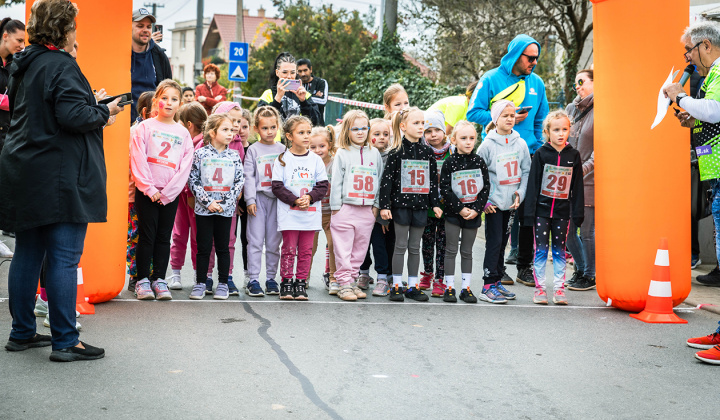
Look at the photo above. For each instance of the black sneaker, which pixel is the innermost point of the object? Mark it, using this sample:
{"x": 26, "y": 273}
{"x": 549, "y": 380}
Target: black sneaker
{"x": 72, "y": 354}
{"x": 525, "y": 276}
{"x": 466, "y": 295}
{"x": 10, "y": 234}
{"x": 287, "y": 289}
{"x": 711, "y": 279}
{"x": 512, "y": 257}
{"x": 574, "y": 279}
{"x": 506, "y": 279}
{"x": 396, "y": 294}
{"x": 449, "y": 295}
{"x": 416, "y": 294}
{"x": 131, "y": 284}
{"x": 584, "y": 283}
{"x": 38, "y": 340}
{"x": 300, "y": 292}
{"x": 326, "y": 279}
{"x": 208, "y": 286}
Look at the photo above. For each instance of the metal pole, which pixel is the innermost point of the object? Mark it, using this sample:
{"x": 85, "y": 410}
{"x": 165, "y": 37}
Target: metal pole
{"x": 198, "y": 38}
{"x": 390, "y": 16}
{"x": 382, "y": 18}
{"x": 239, "y": 36}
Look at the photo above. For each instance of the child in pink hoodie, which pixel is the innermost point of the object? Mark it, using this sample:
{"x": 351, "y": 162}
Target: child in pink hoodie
{"x": 161, "y": 153}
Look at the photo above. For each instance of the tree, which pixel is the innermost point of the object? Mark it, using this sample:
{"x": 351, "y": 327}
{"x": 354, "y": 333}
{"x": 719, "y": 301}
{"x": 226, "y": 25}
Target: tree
{"x": 333, "y": 41}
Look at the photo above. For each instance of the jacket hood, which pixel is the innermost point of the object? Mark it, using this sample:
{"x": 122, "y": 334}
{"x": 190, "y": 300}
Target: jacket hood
{"x": 515, "y": 49}
{"x": 500, "y": 139}
{"x": 24, "y": 59}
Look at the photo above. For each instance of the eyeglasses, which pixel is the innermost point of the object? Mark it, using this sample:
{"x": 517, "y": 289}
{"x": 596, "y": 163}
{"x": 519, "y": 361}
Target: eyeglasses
{"x": 687, "y": 53}
{"x": 356, "y": 129}
{"x": 531, "y": 58}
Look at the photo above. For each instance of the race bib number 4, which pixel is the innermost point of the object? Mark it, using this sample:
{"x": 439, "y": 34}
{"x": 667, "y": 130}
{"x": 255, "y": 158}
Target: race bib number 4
{"x": 364, "y": 182}
{"x": 265, "y": 165}
{"x": 507, "y": 169}
{"x": 300, "y": 187}
{"x": 165, "y": 149}
{"x": 556, "y": 182}
{"x": 467, "y": 184}
{"x": 414, "y": 177}
{"x": 217, "y": 175}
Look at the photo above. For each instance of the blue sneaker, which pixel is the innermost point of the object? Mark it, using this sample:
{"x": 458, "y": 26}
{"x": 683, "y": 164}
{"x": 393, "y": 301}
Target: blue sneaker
{"x": 695, "y": 261}
{"x": 198, "y": 291}
{"x": 271, "y": 287}
{"x": 253, "y": 289}
{"x": 232, "y": 288}
{"x": 222, "y": 291}
{"x": 505, "y": 292}
{"x": 492, "y": 295}
{"x": 208, "y": 286}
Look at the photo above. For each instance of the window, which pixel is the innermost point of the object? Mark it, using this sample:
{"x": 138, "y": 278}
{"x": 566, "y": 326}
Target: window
{"x": 183, "y": 39}
{"x": 182, "y": 73}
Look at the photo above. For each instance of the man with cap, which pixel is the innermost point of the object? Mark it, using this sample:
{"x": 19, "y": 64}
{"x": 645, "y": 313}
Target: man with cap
{"x": 515, "y": 81}
{"x": 149, "y": 65}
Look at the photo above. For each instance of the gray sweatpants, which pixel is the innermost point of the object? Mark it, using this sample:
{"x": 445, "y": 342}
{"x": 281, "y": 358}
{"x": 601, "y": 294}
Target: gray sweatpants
{"x": 452, "y": 237}
{"x": 407, "y": 238}
{"x": 263, "y": 229}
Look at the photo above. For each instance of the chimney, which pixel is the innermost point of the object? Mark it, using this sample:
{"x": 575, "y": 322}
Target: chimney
{"x": 246, "y": 12}
{"x": 261, "y": 12}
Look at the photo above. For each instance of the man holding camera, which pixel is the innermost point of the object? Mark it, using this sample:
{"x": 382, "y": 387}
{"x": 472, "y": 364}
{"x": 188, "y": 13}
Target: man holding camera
{"x": 149, "y": 64}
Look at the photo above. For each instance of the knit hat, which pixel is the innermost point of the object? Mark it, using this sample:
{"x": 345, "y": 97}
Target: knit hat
{"x": 497, "y": 109}
{"x": 435, "y": 118}
{"x": 225, "y": 107}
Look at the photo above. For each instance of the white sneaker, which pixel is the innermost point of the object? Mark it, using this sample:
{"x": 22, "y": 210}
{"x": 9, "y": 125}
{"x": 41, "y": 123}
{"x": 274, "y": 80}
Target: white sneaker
{"x": 334, "y": 288}
{"x": 46, "y": 323}
{"x": 41, "y": 307}
{"x": 5, "y": 251}
{"x": 174, "y": 282}
{"x": 247, "y": 278}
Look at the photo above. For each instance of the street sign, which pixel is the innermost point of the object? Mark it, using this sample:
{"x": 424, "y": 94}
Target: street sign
{"x": 237, "y": 72}
{"x": 238, "y": 52}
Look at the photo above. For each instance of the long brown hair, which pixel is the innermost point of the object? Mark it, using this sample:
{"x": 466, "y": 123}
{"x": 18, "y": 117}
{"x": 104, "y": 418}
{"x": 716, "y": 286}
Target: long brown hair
{"x": 212, "y": 124}
{"x": 288, "y": 128}
{"x": 389, "y": 94}
{"x": 193, "y": 113}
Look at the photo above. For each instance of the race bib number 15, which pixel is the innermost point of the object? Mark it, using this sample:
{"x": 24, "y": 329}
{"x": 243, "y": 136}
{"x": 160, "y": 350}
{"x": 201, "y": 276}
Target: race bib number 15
{"x": 414, "y": 177}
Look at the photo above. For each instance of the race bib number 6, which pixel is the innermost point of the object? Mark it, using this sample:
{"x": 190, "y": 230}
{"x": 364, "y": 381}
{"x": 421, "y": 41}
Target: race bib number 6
{"x": 300, "y": 187}
{"x": 165, "y": 149}
{"x": 556, "y": 182}
{"x": 364, "y": 182}
{"x": 507, "y": 169}
{"x": 467, "y": 184}
{"x": 265, "y": 164}
{"x": 217, "y": 175}
{"x": 414, "y": 177}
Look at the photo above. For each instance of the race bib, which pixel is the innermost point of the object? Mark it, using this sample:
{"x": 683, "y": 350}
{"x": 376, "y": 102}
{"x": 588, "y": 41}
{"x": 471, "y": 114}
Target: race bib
{"x": 364, "y": 182}
{"x": 556, "y": 182}
{"x": 265, "y": 165}
{"x": 439, "y": 167}
{"x": 217, "y": 175}
{"x": 414, "y": 177}
{"x": 467, "y": 184}
{"x": 507, "y": 169}
{"x": 165, "y": 149}
{"x": 300, "y": 187}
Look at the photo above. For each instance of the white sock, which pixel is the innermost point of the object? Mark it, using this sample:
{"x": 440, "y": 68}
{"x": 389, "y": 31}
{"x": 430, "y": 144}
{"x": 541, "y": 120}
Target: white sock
{"x": 412, "y": 281}
{"x": 382, "y": 277}
{"x": 466, "y": 280}
{"x": 397, "y": 279}
{"x": 364, "y": 271}
{"x": 449, "y": 281}
{"x": 176, "y": 272}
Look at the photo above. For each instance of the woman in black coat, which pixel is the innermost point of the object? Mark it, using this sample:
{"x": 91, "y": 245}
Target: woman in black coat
{"x": 52, "y": 178}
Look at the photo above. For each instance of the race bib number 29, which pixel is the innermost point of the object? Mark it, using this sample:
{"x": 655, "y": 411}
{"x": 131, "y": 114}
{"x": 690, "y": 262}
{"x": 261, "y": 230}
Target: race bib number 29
{"x": 556, "y": 182}
{"x": 414, "y": 177}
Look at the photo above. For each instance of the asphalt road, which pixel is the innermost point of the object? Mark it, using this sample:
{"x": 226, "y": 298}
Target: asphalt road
{"x": 259, "y": 358}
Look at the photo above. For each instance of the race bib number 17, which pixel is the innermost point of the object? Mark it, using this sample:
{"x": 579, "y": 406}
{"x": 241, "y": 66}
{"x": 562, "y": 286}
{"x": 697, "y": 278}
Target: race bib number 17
{"x": 507, "y": 169}
{"x": 556, "y": 182}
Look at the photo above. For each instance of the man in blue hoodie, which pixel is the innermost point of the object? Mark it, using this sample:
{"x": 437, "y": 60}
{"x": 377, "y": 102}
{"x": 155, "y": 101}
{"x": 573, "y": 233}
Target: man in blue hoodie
{"x": 149, "y": 65}
{"x": 514, "y": 80}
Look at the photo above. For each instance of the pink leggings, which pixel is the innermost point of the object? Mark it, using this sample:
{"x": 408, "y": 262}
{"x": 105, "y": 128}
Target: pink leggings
{"x": 300, "y": 243}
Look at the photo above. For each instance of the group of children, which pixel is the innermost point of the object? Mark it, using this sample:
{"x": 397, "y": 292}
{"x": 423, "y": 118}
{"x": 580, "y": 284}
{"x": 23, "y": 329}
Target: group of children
{"x": 377, "y": 188}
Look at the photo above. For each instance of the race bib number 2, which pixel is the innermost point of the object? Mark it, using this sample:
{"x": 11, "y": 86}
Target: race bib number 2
{"x": 467, "y": 184}
{"x": 165, "y": 149}
{"x": 265, "y": 164}
{"x": 556, "y": 182}
{"x": 414, "y": 177}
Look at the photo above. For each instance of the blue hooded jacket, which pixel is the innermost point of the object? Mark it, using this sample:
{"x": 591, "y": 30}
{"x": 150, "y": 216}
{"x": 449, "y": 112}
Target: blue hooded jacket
{"x": 498, "y": 79}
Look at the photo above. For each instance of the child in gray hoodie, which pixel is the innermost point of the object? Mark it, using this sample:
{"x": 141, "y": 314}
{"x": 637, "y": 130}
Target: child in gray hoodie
{"x": 508, "y": 161}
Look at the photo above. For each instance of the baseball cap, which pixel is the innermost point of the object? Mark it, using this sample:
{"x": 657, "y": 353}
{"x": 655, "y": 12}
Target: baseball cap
{"x": 141, "y": 14}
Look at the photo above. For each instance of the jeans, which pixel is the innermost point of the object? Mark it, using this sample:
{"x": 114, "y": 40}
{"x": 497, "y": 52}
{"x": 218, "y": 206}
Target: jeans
{"x": 62, "y": 245}
{"x": 716, "y": 216}
{"x": 584, "y": 245}
{"x": 496, "y": 236}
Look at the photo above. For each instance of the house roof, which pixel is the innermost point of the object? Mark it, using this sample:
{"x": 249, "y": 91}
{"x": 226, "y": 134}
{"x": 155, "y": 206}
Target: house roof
{"x": 223, "y": 27}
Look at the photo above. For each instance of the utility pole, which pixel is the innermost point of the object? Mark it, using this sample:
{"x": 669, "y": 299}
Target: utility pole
{"x": 390, "y": 17}
{"x": 239, "y": 36}
{"x": 198, "y": 38}
{"x": 154, "y": 6}
{"x": 382, "y": 19}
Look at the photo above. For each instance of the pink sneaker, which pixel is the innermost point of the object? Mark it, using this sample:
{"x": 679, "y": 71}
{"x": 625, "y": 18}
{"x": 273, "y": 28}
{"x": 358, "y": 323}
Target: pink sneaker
{"x": 438, "y": 288}
{"x": 425, "y": 280}
{"x": 540, "y": 297}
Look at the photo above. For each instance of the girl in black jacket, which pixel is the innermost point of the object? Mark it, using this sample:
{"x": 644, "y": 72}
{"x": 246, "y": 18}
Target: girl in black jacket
{"x": 465, "y": 186}
{"x": 554, "y": 195}
{"x": 407, "y": 191}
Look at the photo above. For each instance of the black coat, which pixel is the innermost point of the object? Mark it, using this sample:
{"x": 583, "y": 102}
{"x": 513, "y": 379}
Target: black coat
{"x": 4, "y": 115}
{"x": 454, "y": 163}
{"x": 52, "y": 168}
{"x": 539, "y": 205}
{"x": 390, "y": 186}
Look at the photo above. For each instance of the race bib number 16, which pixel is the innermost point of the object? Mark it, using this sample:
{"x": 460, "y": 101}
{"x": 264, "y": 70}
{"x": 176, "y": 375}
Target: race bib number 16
{"x": 414, "y": 177}
{"x": 467, "y": 184}
{"x": 556, "y": 182}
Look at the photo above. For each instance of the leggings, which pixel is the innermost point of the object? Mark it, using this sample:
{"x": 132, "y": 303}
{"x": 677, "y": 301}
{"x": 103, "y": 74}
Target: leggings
{"x": 466, "y": 245}
{"x": 155, "y": 224}
{"x": 211, "y": 230}
{"x": 407, "y": 238}
{"x": 433, "y": 239}
{"x": 544, "y": 228}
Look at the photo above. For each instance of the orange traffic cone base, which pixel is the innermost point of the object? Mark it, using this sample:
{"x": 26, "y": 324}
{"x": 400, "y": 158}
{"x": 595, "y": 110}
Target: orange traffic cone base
{"x": 85, "y": 308}
{"x": 653, "y": 318}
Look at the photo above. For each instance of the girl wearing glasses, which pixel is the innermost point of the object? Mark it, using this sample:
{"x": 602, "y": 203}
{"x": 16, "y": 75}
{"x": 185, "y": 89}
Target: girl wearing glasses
{"x": 354, "y": 201}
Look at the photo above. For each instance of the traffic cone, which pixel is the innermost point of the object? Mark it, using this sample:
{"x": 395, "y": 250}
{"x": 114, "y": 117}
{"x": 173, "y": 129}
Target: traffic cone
{"x": 82, "y": 303}
{"x": 659, "y": 306}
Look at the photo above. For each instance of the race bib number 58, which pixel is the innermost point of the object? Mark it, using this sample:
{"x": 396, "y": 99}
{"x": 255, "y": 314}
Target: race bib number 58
{"x": 414, "y": 177}
{"x": 364, "y": 182}
{"x": 556, "y": 182}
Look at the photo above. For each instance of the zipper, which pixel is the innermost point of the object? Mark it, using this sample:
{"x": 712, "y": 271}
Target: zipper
{"x": 552, "y": 207}
{"x": 362, "y": 163}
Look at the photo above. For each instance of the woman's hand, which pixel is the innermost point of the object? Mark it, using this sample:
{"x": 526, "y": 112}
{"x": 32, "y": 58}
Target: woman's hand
{"x": 201, "y": 99}
{"x": 219, "y": 98}
{"x": 251, "y": 209}
{"x": 301, "y": 93}
{"x": 386, "y": 214}
{"x": 281, "y": 89}
{"x": 114, "y": 108}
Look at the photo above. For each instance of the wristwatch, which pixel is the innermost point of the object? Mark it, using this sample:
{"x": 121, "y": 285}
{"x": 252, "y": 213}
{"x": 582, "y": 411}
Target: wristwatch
{"x": 680, "y": 96}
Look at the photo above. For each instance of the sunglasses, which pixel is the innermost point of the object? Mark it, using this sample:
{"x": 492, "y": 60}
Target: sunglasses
{"x": 578, "y": 83}
{"x": 531, "y": 58}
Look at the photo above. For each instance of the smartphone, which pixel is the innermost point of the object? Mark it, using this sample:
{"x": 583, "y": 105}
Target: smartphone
{"x": 293, "y": 85}
{"x": 523, "y": 110}
{"x": 126, "y": 99}
{"x": 677, "y": 111}
{"x": 159, "y": 28}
